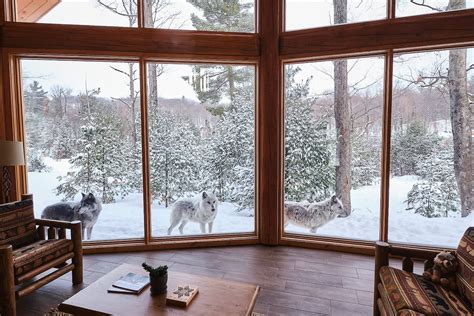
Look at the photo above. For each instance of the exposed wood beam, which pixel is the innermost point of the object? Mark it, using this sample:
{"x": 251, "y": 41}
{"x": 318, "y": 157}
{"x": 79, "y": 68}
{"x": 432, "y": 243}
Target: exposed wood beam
{"x": 90, "y": 39}
{"x": 412, "y": 32}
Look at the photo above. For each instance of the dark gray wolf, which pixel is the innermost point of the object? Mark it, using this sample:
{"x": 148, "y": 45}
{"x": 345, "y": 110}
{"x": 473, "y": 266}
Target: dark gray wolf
{"x": 201, "y": 209}
{"x": 87, "y": 211}
{"x": 313, "y": 215}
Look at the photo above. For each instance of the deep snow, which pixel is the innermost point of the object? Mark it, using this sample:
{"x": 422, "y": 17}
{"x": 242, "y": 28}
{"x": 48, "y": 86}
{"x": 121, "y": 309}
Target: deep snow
{"x": 124, "y": 219}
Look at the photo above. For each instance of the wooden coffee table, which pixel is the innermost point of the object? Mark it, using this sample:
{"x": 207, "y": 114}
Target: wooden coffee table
{"x": 215, "y": 297}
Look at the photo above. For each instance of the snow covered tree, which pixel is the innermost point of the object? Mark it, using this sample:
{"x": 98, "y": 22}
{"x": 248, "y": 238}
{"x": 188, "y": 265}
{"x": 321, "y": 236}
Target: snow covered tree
{"x": 100, "y": 166}
{"x": 365, "y": 160}
{"x": 308, "y": 174}
{"x": 173, "y": 148}
{"x": 437, "y": 194}
{"x": 411, "y": 146}
{"x": 228, "y": 154}
{"x": 36, "y": 109}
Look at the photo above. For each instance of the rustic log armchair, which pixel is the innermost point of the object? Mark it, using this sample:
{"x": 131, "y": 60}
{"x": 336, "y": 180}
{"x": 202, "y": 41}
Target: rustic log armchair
{"x": 401, "y": 292}
{"x": 29, "y": 247}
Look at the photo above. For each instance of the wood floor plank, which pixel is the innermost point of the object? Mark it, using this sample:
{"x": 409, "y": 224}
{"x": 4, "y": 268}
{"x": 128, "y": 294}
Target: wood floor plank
{"x": 294, "y": 281}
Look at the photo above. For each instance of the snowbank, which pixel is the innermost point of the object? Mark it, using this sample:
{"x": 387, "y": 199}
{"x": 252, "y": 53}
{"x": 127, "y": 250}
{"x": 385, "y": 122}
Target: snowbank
{"x": 124, "y": 219}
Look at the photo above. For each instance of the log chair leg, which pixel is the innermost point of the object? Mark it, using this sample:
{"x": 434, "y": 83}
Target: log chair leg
{"x": 76, "y": 236}
{"x": 382, "y": 251}
{"x": 7, "y": 282}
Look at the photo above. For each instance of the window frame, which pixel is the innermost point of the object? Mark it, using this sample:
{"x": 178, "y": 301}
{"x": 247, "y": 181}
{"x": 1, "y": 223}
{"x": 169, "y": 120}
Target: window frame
{"x": 269, "y": 48}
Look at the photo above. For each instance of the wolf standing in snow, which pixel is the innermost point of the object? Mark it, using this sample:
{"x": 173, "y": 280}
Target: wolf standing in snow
{"x": 313, "y": 215}
{"x": 201, "y": 209}
{"x": 87, "y": 211}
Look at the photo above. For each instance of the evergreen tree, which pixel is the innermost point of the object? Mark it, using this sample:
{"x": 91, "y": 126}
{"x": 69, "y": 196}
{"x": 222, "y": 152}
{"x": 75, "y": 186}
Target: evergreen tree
{"x": 173, "y": 163}
{"x": 100, "y": 166}
{"x": 308, "y": 174}
{"x": 365, "y": 160}
{"x": 437, "y": 194}
{"x": 213, "y": 83}
{"x": 409, "y": 147}
{"x": 36, "y": 109}
{"x": 228, "y": 154}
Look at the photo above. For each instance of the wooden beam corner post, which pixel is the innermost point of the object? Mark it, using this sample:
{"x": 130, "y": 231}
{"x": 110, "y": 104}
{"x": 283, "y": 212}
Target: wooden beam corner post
{"x": 77, "y": 260}
{"x": 269, "y": 116}
{"x": 7, "y": 282}
{"x": 382, "y": 251}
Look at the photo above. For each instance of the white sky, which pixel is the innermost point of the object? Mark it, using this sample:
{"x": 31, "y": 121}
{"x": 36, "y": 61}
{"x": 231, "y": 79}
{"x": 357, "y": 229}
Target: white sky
{"x": 300, "y": 14}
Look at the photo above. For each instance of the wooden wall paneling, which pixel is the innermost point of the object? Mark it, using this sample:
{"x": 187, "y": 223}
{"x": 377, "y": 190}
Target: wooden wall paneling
{"x": 269, "y": 124}
{"x": 412, "y": 32}
{"x": 132, "y": 40}
{"x": 385, "y": 157}
{"x": 33, "y": 10}
{"x": 145, "y": 152}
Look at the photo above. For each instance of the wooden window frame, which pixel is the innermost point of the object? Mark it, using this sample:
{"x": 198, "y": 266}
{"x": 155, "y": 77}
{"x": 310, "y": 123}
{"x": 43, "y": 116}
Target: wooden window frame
{"x": 270, "y": 47}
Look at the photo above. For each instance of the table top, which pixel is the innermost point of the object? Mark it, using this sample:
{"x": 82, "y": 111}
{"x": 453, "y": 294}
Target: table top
{"x": 215, "y": 297}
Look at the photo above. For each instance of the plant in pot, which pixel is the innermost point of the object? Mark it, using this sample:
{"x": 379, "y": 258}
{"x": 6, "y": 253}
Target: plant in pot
{"x": 158, "y": 278}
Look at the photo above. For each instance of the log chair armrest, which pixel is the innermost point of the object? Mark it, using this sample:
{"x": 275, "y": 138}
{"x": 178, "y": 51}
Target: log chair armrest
{"x": 56, "y": 224}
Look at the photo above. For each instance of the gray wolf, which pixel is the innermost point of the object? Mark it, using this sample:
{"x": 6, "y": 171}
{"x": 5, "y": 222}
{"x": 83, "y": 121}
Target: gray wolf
{"x": 201, "y": 208}
{"x": 87, "y": 211}
{"x": 313, "y": 215}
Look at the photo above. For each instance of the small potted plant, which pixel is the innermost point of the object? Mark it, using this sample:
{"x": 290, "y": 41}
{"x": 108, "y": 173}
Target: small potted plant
{"x": 158, "y": 278}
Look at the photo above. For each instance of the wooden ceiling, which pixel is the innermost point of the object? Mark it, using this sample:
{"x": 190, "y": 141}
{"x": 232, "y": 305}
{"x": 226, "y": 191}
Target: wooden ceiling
{"x": 33, "y": 10}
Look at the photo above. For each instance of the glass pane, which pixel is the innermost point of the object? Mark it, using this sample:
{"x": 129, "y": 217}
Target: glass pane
{"x": 201, "y": 142}
{"x": 84, "y": 12}
{"x": 333, "y": 122}
{"x": 431, "y": 169}
{"x": 82, "y": 124}
{"x": 304, "y": 14}
{"x": 416, "y": 7}
{"x": 216, "y": 15}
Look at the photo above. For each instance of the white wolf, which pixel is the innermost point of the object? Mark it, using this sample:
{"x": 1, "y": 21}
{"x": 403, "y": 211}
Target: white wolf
{"x": 201, "y": 209}
{"x": 313, "y": 215}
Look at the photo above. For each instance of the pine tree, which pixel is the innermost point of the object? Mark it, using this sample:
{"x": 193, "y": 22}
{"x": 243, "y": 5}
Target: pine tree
{"x": 212, "y": 83}
{"x": 437, "y": 193}
{"x": 36, "y": 109}
{"x": 308, "y": 174}
{"x": 409, "y": 147}
{"x": 365, "y": 160}
{"x": 100, "y": 166}
{"x": 173, "y": 163}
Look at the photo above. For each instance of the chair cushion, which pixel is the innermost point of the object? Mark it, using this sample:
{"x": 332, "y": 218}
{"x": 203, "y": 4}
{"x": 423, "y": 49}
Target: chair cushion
{"x": 17, "y": 223}
{"x": 39, "y": 253}
{"x": 465, "y": 274}
{"x": 409, "y": 293}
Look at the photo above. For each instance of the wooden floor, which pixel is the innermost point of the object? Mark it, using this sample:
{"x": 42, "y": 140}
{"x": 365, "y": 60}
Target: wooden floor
{"x": 293, "y": 281}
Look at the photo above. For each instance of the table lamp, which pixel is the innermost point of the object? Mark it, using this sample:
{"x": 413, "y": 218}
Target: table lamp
{"x": 11, "y": 154}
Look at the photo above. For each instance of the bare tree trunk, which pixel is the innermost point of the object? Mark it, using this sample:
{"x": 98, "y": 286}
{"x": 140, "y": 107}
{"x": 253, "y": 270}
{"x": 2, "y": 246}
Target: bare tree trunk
{"x": 342, "y": 114}
{"x": 132, "y": 104}
{"x": 461, "y": 122}
{"x": 152, "y": 73}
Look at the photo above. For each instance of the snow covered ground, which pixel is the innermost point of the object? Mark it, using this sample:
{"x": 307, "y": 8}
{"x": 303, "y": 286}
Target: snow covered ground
{"x": 124, "y": 219}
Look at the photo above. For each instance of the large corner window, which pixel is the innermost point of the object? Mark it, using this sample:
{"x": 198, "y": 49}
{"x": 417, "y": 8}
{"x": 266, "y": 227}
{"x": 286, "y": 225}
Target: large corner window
{"x": 222, "y": 16}
{"x": 304, "y": 14}
{"x": 431, "y": 147}
{"x": 416, "y": 7}
{"x": 333, "y": 123}
{"x": 82, "y": 124}
{"x": 201, "y": 145}
{"x": 219, "y": 16}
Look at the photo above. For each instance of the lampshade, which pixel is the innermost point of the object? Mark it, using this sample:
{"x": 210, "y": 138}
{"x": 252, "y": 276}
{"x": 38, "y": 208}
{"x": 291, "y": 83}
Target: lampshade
{"x": 11, "y": 153}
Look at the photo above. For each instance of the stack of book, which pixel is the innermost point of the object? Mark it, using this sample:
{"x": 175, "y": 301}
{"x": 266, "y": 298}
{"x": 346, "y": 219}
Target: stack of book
{"x": 130, "y": 284}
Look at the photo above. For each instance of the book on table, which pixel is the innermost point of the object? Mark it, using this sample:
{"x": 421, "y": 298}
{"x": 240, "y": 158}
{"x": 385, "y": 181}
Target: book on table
{"x": 130, "y": 283}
